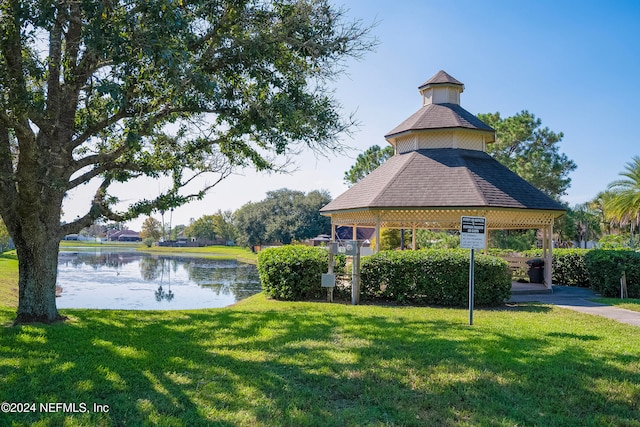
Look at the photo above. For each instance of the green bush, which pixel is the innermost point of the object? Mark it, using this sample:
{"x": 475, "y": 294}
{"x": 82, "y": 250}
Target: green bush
{"x": 294, "y": 272}
{"x": 434, "y": 277}
{"x": 148, "y": 242}
{"x": 569, "y": 266}
{"x": 605, "y": 268}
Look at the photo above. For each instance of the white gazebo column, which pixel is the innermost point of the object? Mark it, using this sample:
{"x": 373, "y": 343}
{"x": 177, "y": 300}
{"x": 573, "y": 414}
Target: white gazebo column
{"x": 486, "y": 240}
{"x": 413, "y": 238}
{"x": 548, "y": 261}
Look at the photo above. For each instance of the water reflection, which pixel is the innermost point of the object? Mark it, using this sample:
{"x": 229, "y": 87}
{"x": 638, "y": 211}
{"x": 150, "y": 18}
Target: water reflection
{"x": 133, "y": 280}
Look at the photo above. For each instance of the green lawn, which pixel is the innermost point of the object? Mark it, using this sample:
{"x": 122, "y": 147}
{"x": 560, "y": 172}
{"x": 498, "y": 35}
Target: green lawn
{"x": 218, "y": 252}
{"x": 228, "y": 252}
{"x": 8, "y": 279}
{"x": 628, "y": 303}
{"x": 271, "y": 363}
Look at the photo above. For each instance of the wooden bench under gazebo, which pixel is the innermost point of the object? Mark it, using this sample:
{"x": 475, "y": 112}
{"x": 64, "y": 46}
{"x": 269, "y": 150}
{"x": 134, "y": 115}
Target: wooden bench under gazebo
{"x": 441, "y": 172}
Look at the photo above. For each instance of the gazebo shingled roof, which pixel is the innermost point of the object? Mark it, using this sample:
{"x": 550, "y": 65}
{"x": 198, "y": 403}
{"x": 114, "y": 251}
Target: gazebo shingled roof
{"x": 439, "y": 78}
{"x": 442, "y": 178}
{"x": 440, "y": 172}
{"x": 441, "y": 116}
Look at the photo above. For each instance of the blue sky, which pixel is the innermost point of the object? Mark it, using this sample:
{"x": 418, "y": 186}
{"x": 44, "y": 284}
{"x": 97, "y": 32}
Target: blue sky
{"x": 573, "y": 64}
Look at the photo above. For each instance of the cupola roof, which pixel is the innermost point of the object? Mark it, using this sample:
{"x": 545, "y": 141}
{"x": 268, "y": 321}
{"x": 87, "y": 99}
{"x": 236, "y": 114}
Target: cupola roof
{"x": 441, "y": 110}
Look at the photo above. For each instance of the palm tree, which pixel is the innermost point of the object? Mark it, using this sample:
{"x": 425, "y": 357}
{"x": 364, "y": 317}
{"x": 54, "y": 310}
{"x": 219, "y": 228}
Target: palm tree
{"x": 624, "y": 205}
{"x": 598, "y": 205}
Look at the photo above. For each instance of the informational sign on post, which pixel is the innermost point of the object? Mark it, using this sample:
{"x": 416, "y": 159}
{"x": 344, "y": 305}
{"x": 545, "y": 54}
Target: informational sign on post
{"x": 473, "y": 231}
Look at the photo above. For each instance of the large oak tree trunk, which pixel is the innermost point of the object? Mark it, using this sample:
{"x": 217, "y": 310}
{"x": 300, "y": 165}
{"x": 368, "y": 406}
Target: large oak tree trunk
{"x": 38, "y": 271}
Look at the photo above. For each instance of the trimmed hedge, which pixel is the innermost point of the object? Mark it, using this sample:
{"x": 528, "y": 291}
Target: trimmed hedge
{"x": 569, "y": 266}
{"x": 605, "y": 267}
{"x": 293, "y": 272}
{"x": 439, "y": 277}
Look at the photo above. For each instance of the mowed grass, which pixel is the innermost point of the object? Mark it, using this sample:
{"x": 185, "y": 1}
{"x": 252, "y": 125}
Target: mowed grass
{"x": 628, "y": 303}
{"x": 218, "y": 252}
{"x": 269, "y": 363}
{"x": 9, "y": 279}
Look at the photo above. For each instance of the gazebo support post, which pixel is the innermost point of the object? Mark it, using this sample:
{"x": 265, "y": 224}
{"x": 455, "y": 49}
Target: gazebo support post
{"x": 355, "y": 277}
{"x": 413, "y": 238}
{"x": 377, "y": 235}
{"x": 548, "y": 272}
{"x": 331, "y": 261}
{"x": 486, "y": 242}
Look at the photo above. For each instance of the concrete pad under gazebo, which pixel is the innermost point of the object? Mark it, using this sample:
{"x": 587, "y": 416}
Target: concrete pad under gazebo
{"x": 441, "y": 172}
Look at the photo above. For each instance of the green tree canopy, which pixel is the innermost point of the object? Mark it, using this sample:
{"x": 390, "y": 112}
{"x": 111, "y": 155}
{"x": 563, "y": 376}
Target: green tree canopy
{"x": 531, "y": 151}
{"x": 251, "y": 223}
{"x": 110, "y": 91}
{"x": 211, "y": 227}
{"x": 176, "y": 230}
{"x": 224, "y": 226}
{"x": 151, "y": 229}
{"x": 366, "y": 162}
{"x": 202, "y": 228}
{"x": 283, "y": 216}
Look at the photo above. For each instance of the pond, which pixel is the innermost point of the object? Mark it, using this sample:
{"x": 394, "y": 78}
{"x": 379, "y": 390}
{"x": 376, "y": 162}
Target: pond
{"x": 132, "y": 280}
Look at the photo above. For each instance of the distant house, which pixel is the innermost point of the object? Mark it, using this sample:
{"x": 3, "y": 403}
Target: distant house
{"x": 193, "y": 242}
{"x": 125, "y": 236}
{"x": 78, "y": 237}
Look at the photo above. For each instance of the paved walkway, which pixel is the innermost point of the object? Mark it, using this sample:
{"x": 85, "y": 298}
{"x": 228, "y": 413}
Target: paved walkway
{"x": 577, "y": 299}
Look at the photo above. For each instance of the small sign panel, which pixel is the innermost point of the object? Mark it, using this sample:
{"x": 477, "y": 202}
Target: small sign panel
{"x": 328, "y": 280}
{"x": 350, "y": 247}
{"x": 473, "y": 232}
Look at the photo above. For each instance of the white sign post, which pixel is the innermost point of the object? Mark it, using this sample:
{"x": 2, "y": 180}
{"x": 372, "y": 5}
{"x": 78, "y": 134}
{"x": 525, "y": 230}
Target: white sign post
{"x": 472, "y": 236}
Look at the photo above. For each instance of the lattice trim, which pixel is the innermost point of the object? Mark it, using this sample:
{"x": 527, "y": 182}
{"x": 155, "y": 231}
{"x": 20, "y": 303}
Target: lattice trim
{"x": 445, "y": 218}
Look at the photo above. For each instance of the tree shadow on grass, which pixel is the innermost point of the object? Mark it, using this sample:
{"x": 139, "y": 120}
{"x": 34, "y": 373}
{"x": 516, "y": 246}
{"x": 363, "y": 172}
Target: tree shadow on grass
{"x": 529, "y": 307}
{"x": 306, "y": 366}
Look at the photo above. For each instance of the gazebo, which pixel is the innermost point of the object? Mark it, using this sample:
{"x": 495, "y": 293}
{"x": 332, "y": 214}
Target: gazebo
{"x": 441, "y": 172}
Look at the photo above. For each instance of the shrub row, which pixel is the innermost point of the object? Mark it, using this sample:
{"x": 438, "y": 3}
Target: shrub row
{"x": 605, "y": 268}
{"x": 599, "y": 269}
{"x": 438, "y": 277}
{"x": 569, "y": 266}
{"x": 293, "y": 272}
{"x": 425, "y": 277}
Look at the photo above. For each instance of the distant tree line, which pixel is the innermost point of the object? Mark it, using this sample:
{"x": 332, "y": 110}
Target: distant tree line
{"x": 283, "y": 216}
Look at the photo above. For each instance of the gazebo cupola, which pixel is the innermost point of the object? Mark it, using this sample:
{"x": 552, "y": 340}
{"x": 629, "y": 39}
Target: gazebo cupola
{"x": 441, "y": 89}
{"x": 441, "y": 122}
